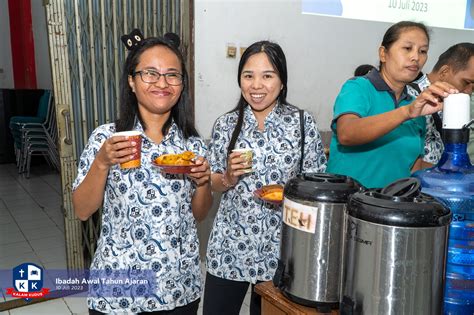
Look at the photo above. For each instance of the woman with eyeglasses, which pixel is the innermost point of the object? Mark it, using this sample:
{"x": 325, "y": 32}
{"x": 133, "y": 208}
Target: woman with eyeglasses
{"x": 244, "y": 243}
{"x": 148, "y": 219}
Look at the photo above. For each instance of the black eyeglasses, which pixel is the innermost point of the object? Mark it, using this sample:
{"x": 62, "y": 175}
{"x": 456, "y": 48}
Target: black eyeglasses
{"x": 152, "y": 76}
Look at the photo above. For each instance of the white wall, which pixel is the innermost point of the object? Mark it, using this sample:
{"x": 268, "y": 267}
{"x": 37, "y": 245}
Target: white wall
{"x": 322, "y": 52}
{"x": 6, "y": 66}
{"x": 40, "y": 35}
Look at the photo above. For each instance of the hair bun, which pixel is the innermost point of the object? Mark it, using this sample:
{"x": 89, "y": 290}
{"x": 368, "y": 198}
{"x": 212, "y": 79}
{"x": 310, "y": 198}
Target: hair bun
{"x": 173, "y": 38}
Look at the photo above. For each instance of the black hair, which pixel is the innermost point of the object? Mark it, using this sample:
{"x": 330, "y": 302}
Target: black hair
{"x": 278, "y": 60}
{"x": 363, "y": 70}
{"x": 394, "y": 31}
{"x": 181, "y": 112}
{"x": 457, "y": 57}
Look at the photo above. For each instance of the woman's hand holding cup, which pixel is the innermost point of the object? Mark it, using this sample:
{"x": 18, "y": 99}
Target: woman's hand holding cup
{"x": 239, "y": 163}
{"x": 246, "y": 157}
{"x": 121, "y": 148}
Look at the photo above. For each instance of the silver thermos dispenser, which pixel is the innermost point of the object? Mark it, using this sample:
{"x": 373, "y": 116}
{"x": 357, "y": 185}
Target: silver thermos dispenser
{"x": 395, "y": 245}
{"x": 309, "y": 267}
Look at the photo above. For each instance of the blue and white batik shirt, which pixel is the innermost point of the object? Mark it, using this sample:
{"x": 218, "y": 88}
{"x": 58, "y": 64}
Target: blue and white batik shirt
{"x": 433, "y": 143}
{"x": 244, "y": 244}
{"x": 147, "y": 224}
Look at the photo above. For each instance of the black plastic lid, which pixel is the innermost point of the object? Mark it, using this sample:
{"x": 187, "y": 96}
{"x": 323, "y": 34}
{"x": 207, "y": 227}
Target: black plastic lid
{"x": 401, "y": 203}
{"x": 324, "y": 187}
{"x": 455, "y": 135}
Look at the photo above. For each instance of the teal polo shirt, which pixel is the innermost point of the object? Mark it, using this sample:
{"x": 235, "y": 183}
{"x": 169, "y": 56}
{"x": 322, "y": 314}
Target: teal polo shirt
{"x": 391, "y": 156}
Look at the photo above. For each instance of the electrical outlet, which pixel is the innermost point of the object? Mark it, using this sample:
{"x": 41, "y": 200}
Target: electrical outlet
{"x": 231, "y": 51}
{"x": 242, "y": 50}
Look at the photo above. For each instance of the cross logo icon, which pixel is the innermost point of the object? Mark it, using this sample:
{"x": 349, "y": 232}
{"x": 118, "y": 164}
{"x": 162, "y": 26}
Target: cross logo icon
{"x": 27, "y": 282}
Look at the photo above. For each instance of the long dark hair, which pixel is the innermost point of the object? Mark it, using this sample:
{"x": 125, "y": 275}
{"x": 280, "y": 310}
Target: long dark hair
{"x": 181, "y": 111}
{"x": 278, "y": 60}
{"x": 394, "y": 31}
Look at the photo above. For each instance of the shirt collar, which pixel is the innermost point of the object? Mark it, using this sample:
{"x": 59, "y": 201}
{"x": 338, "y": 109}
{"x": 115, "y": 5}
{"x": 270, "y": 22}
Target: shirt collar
{"x": 423, "y": 82}
{"x": 380, "y": 85}
{"x": 272, "y": 119}
{"x": 173, "y": 130}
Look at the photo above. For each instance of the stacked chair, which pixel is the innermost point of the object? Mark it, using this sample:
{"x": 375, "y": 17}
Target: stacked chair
{"x": 36, "y": 135}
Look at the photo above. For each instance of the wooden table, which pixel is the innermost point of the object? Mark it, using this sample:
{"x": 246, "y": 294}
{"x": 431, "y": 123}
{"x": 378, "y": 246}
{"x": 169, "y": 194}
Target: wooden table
{"x": 275, "y": 303}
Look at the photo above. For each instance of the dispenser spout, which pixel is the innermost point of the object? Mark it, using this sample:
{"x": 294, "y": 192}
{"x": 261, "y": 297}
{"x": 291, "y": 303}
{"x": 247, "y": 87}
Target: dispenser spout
{"x": 469, "y": 124}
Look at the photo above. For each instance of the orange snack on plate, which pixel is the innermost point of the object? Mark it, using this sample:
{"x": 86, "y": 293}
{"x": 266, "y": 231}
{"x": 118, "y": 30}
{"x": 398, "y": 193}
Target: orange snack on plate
{"x": 273, "y": 193}
{"x": 185, "y": 158}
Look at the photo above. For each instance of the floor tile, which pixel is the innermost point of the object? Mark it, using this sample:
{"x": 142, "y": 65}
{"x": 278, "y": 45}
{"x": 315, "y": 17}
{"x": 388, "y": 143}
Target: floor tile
{"x": 10, "y": 229}
{"x": 51, "y": 254}
{"x": 52, "y": 307}
{"x": 56, "y": 205}
{"x": 15, "y": 195}
{"x": 58, "y": 219}
{"x": 32, "y": 224}
{"x": 77, "y": 304}
{"x": 12, "y": 261}
{"x": 10, "y": 188}
{"x": 58, "y": 215}
{"x": 27, "y": 216}
{"x": 59, "y": 264}
{"x": 7, "y": 238}
{"x": 42, "y": 189}
{"x": 6, "y": 219}
{"x": 47, "y": 242}
{"x": 22, "y": 204}
{"x": 24, "y": 213}
{"x": 53, "y": 210}
{"x": 3, "y": 206}
{"x": 43, "y": 233}
{"x": 13, "y": 249}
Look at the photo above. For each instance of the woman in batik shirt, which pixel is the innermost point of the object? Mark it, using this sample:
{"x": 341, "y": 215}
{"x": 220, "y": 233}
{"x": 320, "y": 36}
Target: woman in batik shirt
{"x": 148, "y": 217}
{"x": 244, "y": 243}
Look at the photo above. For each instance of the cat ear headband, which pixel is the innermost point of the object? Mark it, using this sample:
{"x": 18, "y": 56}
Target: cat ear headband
{"x": 173, "y": 38}
{"x": 135, "y": 39}
{"x": 132, "y": 40}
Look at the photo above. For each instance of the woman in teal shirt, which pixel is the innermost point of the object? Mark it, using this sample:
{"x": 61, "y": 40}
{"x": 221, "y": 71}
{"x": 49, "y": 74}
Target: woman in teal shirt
{"x": 378, "y": 129}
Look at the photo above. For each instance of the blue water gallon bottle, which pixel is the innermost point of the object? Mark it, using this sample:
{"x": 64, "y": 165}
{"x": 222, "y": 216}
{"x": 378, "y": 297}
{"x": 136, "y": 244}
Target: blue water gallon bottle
{"x": 451, "y": 181}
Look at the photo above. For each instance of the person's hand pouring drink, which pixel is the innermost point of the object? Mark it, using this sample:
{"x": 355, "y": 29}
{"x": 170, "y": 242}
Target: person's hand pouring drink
{"x": 430, "y": 100}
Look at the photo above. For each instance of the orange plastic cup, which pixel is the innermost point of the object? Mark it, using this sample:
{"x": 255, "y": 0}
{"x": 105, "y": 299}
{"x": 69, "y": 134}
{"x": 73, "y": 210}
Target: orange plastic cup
{"x": 137, "y": 137}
